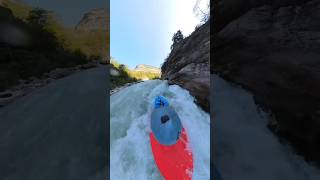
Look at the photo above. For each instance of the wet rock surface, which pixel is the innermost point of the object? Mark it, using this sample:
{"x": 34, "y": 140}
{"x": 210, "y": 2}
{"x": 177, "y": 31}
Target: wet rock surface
{"x": 274, "y": 51}
{"x": 188, "y": 65}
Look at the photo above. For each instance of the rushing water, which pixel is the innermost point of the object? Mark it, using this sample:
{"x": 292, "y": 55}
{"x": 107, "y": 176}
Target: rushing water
{"x": 244, "y": 147}
{"x": 130, "y": 149}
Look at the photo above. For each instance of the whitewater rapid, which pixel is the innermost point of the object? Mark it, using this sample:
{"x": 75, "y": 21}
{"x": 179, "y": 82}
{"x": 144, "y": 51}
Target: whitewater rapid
{"x": 130, "y": 150}
{"x": 244, "y": 148}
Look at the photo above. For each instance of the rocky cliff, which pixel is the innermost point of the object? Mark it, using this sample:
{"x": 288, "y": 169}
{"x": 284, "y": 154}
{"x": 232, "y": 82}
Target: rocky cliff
{"x": 188, "y": 65}
{"x": 93, "y": 20}
{"x": 147, "y": 68}
{"x": 272, "y": 48}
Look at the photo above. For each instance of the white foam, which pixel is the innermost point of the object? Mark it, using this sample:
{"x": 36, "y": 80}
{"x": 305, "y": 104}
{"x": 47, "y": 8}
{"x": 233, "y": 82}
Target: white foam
{"x": 244, "y": 147}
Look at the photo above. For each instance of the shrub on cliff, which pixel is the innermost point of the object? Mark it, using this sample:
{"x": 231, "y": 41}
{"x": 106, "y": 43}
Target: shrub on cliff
{"x": 176, "y": 39}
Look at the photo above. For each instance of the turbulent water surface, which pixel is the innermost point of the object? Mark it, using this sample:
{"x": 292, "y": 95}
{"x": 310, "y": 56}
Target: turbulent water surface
{"x": 131, "y": 156}
{"x": 244, "y": 147}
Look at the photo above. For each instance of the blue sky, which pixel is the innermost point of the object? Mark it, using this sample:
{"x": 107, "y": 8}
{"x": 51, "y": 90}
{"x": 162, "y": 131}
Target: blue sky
{"x": 69, "y": 11}
{"x": 141, "y": 30}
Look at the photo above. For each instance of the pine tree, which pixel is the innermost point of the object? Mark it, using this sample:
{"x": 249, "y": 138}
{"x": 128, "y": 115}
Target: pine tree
{"x": 177, "y": 38}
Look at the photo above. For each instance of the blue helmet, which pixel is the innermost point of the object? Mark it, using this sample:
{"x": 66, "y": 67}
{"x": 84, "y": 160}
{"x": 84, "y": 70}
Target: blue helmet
{"x": 160, "y": 101}
{"x": 165, "y": 125}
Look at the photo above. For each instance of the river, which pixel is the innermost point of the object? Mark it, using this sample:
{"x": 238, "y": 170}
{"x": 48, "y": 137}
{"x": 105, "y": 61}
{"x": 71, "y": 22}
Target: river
{"x": 244, "y": 147}
{"x": 131, "y": 156}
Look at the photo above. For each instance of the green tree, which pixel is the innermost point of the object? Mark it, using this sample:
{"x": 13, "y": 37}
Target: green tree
{"x": 38, "y": 18}
{"x": 177, "y": 38}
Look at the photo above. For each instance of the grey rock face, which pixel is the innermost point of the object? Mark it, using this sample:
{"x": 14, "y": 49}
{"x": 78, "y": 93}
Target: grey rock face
{"x": 274, "y": 51}
{"x": 94, "y": 20}
{"x": 188, "y": 65}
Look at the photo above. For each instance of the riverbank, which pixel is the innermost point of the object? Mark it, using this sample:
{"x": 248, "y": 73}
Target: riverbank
{"x": 27, "y": 86}
{"x": 117, "y": 89}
